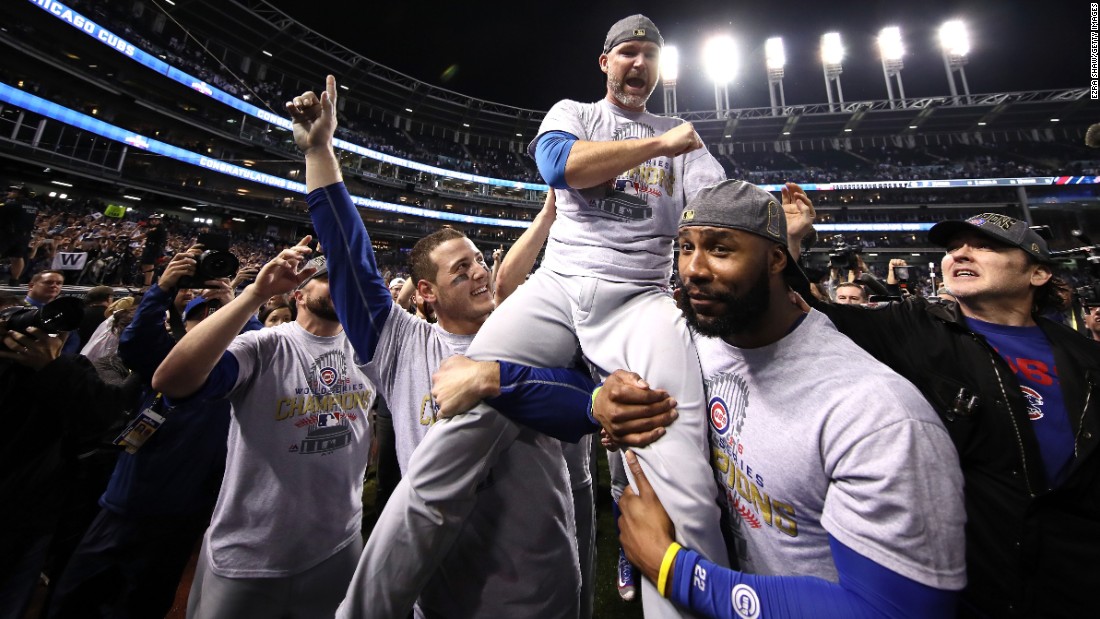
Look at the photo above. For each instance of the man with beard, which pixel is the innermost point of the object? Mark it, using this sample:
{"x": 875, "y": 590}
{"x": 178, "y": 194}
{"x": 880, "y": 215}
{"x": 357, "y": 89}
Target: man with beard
{"x": 836, "y": 509}
{"x": 621, "y": 177}
{"x": 285, "y": 535}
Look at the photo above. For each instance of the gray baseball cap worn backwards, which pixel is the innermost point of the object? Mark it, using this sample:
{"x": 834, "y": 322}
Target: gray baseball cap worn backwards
{"x": 743, "y": 206}
{"x": 633, "y": 28}
{"x": 1000, "y": 228}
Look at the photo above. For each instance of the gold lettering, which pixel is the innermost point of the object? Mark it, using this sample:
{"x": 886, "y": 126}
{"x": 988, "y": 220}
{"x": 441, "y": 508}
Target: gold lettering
{"x": 785, "y": 518}
{"x": 762, "y": 502}
{"x": 427, "y": 411}
{"x": 279, "y": 414}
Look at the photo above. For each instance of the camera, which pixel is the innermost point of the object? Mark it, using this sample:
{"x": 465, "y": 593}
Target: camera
{"x": 211, "y": 264}
{"x": 901, "y": 274}
{"x": 1089, "y": 295}
{"x": 64, "y": 314}
{"x": 844, "y": 254}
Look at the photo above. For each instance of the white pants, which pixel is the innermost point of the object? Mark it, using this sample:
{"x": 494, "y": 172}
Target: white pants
{"x": 638, "y": 328}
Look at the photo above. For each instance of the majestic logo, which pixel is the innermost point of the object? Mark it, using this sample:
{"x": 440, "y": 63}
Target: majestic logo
{"x": 719, "y": 415}
{"x": 1034, "y": 403}
{"x": 745, "y": 602}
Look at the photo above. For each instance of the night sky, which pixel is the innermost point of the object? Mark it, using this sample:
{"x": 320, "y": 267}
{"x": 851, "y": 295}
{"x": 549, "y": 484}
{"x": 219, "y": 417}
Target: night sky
{"x": 531, "y": 54}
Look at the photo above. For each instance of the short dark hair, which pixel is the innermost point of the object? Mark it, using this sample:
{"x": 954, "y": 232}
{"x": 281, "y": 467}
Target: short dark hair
{"x": 99, "y": 294}
{"x": 420, "y": 260}
{"x": 862, "y": 290}
{"x": 39, "y": 275}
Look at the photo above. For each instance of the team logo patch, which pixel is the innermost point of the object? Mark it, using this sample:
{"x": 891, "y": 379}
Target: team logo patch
{"x": 1034, "y": 403}
{"x": 719, "y": 415}
{"x": 745, "y": 602}
{"x": 688, "y": 216}
{"x": 639, "y": 32}
{"x": 328, "y": 376}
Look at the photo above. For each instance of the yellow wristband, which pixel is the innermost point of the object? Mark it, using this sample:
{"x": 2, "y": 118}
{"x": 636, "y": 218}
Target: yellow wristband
{"x": 592, "y": 407}
{"x": 666, "y": 567}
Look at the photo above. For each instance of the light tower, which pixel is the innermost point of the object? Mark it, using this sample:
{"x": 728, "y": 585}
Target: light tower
{"x": 775, "y": 59}
{"x": 720, "y": 62}
{"x": 955, "y": 43}
{"x": 832, "y": 54}
{"x": 670, "y": 67}
{"x": 892, "y": 50}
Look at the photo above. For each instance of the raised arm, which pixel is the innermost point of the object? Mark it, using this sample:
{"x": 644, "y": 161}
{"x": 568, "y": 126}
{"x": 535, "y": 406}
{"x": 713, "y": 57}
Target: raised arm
{"x": 186, "y": 368}
{"x": 520, "y": 259}
{"x": 355, "y": 281}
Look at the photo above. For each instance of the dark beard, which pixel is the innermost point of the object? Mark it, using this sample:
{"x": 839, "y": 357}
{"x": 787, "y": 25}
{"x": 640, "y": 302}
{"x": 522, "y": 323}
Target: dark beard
{"x": 742, "y": 313}
{"x": 322, "y": 308}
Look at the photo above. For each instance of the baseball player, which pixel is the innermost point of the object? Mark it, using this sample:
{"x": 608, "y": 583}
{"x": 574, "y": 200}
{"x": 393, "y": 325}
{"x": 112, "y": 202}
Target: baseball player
{"x": 430, "y": 541}
{"x": 844, "y": 490}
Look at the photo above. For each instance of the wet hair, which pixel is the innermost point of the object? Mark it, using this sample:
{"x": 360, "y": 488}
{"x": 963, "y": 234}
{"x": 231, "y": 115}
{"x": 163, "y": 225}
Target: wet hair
{"x": 420, "y": 258}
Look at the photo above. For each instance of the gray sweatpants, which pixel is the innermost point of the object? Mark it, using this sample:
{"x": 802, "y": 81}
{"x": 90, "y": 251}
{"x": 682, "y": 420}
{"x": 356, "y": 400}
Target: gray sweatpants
{"x": 639, "y": 328}
{"x": 315, "y": 592}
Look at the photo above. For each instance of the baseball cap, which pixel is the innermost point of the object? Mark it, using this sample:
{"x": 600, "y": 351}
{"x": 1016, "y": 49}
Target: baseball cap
{"x": 740, "y": 205}
{"x": 633, "y": 28}
{"x": 190, "y": 310}
{"x": 397, "y": 282}
{"x": 1003, "y": 228}
{"x": 322, "y": 270}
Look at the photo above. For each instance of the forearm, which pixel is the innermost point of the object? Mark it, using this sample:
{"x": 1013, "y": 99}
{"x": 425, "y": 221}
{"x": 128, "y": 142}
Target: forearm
{"x": 322, "y": 168}
{"x": 866, "y": 589}
{"x": 595, "y": 163}
{"x": 554, "y": 401}
{"x": 186, "y": 368}
{"x": 521, "y": 257}
{"x": 360, "y": 297}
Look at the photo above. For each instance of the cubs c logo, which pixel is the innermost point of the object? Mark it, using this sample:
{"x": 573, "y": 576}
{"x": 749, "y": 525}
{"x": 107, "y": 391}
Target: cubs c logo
{"x": 745, "y": 603}
{"x": 328, "y": 376}
{"x": 719, "y": 415}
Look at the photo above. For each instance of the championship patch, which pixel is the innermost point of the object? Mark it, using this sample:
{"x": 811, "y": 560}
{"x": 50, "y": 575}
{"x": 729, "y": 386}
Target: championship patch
{"x": 745, "y": 602}
{"x": 719, "y": 415}
{"x": 639, "y": 32}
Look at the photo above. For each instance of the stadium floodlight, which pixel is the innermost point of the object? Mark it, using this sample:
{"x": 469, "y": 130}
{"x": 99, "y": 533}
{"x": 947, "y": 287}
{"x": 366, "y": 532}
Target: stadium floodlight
{"x": 775, "y": 59}
{"x": 832, "y": 50}
{"x": 892, "y": 50}
{"x": 720, "y": 64}
{"x": 889, "y": 43}
{"x": 774, "y": 54}
{"x": 954, "y": 39}
{"x": 832, "y": 55}
{"x": 670, "y": 70}
{"x": 955, "y": 43}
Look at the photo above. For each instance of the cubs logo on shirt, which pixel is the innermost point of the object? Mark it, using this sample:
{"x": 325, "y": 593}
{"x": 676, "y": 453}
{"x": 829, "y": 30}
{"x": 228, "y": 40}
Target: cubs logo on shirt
{"x": 328, "y": 376}
{"x": 719, "y": 415}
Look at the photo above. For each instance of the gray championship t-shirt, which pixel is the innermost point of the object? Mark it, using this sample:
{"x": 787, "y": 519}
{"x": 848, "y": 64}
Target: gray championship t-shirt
{"x": 299, "y": 440}
{"x": 622, "y": 231}
{"x": 409, "y": 351}
{"x": 812, "y": 436}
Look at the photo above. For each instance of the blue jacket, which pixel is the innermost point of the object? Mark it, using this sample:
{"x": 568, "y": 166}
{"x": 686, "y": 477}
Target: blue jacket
{"x": 179, "y": 469}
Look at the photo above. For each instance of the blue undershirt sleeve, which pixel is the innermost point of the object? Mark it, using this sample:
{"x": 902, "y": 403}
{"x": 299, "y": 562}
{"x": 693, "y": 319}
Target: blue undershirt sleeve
{"x": 866, "y": 589}
{"x": 361, "y": 298}
{"x": 219, "y": 382}
{"x": 554, "y": 401}
{"x": 551, "y": 152}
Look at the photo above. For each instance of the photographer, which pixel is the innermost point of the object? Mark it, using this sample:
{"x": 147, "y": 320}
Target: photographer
{"x": 160, "y": 496}
{"x": 1092, "y": 322}
{"x": 51, "y": 400}
{"x": 17, "y": 217}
